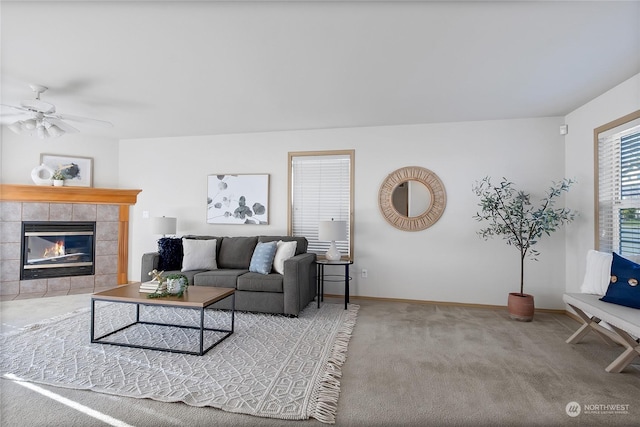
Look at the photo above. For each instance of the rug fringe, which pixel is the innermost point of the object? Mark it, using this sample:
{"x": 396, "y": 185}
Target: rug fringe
{"x": 329, "y": 387}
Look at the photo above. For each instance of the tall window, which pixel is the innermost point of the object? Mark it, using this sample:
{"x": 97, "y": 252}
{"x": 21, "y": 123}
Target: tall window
{"x": 321, "y": 189}
{"x": 618, "y": 186}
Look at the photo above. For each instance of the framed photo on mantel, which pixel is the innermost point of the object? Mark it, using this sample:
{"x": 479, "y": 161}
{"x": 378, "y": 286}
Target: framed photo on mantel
{"x": 238, "y": 199}
{"x": 77, "y": 171}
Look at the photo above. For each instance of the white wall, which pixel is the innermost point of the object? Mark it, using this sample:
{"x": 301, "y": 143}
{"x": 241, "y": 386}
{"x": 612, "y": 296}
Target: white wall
{"x": 19, "y": 154}
{"x": 447, "y": 262}
{"x": 579, "y": 154}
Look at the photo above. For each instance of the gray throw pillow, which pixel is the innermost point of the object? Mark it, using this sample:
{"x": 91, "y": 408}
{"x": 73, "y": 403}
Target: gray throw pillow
{"x": 236, "y": 252}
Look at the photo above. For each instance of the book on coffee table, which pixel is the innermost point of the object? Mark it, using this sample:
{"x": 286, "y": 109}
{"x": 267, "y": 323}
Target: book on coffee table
{"x": 153, "y": 287}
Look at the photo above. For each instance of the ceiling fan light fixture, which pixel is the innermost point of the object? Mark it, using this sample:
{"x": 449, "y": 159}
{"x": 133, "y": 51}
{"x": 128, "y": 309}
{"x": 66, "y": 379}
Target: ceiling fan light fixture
{"x": 42, "y": 132}
{"x": 30, "y": 124}
{"x": 41, "y": 128}
{"x": 43, "y": 123}
{"x": 55, "y": 131}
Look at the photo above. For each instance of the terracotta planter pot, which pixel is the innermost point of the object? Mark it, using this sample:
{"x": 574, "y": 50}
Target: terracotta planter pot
{"x": 521, "y": 306}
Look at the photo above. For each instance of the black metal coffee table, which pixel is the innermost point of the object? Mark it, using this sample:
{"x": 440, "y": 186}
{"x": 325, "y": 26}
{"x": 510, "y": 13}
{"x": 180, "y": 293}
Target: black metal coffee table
{"x": 196, "y": 297}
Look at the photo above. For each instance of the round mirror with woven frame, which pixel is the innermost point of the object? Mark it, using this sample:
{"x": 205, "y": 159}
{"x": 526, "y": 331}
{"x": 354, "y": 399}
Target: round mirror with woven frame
{"x": 423, "y": 220}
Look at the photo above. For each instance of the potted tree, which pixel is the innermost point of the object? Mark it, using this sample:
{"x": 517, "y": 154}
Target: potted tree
{"x": 510, "y": 214}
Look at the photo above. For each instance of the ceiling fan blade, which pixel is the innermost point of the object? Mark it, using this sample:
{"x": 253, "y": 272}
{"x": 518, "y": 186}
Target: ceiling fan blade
{"x": 10, "y": 114}
{"x": 62, "y": 125}
{"x": 84, "y": 120}
{"x": 14, "y": 107}
{"x": 7, "y": 119}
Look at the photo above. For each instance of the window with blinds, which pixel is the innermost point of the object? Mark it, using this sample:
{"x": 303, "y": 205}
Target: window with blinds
{"x": 321, "y": 189}
{"x": 619, "y": 189}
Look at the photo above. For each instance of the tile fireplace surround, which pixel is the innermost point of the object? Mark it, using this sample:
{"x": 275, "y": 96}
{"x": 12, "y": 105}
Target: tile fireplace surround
{"x": 108, "y": 208}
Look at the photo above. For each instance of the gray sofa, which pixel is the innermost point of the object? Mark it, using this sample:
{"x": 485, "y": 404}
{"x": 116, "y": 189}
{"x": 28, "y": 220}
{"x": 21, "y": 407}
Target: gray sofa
{"x": 276, "y": 293}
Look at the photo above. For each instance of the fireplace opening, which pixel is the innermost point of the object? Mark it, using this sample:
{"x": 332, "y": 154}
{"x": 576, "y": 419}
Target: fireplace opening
{"x": 57, "y": 249}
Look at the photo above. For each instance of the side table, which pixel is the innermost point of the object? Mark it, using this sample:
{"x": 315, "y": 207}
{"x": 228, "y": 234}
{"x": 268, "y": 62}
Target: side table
{"x": 321, "y": 278}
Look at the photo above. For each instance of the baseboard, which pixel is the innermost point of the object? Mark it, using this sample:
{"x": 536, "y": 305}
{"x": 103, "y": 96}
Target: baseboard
{"x": 572, "y": 315}
{"x": 454, "y": 304}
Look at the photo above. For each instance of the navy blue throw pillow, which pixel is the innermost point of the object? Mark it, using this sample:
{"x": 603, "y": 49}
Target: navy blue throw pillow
{"x": 623, "y": 287}
{"x": 171, "y": 253}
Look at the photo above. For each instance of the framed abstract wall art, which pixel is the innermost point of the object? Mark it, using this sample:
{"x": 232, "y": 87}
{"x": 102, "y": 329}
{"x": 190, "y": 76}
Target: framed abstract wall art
{"x": 77, "y": 171}
{"x": 238, "y": 199}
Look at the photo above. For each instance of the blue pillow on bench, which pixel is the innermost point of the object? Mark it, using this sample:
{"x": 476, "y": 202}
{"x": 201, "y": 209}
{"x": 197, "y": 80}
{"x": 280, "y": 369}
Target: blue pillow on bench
{"x": 623, "y": 288}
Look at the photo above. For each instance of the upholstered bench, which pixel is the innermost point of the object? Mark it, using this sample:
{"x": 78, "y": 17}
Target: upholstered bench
{"x": 624, "y": 324}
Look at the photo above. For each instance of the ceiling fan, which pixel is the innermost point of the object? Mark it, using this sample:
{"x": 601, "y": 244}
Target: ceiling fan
{"x": 39, "y": 118}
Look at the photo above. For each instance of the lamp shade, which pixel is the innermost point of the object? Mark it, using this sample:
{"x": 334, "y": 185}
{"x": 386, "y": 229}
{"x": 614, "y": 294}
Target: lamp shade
{"x": 332, "y": 230}
{"x": 163, "y": 225}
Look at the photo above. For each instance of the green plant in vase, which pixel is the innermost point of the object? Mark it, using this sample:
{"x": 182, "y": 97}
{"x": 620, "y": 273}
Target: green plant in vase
{"x": 510, "y": 213}
{"x": 58, "y": 178}
{"x": 176, "y": 286}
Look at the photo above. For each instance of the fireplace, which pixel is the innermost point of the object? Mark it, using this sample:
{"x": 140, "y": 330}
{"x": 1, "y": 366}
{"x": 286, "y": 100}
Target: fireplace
{"x": 57, "y": 249}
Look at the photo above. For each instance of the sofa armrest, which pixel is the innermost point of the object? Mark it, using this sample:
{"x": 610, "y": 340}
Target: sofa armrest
{"x": 299, "y": 282}
{"x": 150, "y": 261}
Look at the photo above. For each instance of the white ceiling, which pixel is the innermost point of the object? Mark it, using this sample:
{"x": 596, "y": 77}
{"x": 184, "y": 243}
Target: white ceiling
{"x": 162, "y": 68}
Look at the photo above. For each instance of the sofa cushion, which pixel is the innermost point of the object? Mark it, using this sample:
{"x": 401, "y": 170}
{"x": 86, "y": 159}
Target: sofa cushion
{"x": 262, "y": 258}
{"x": 170, "y": 251}
{"x": 199, "y": 254}
{"x": 218, "y": 278}
{"x": 284, "y": 251}
{"x": 624, "y": 288}
{"x": 236, "y": 252}
{"x": 301, "y": 246}
{"x": 257, "y": 282}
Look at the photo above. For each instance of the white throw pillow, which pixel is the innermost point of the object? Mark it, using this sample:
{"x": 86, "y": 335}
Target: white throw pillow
{"x": 199, "y": 254}
{"x": 597, "y": 274}
{"x": 285, "y": 251}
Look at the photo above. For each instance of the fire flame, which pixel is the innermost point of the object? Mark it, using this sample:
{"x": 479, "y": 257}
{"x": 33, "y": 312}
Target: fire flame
{"x": 55, "y": 250}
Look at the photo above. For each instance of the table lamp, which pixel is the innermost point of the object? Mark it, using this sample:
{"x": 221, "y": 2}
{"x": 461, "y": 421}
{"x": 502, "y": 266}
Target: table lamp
{"x": 163, "y": 225}
{"x": 332, "y": 231}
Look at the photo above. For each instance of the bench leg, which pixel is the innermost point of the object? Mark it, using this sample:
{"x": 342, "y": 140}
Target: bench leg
{"x": 632, "y": 351}
{"x": 611, "y": 337}
{"x": 580, "y": 333}
{"x": 591, "y": 324}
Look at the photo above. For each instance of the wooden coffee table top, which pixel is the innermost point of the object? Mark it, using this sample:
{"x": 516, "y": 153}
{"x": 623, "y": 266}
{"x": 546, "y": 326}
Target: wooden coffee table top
{"x": 194, "y": 296}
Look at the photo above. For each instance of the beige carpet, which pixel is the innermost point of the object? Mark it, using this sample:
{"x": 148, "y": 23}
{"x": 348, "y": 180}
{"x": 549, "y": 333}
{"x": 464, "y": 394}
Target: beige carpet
{"x": 408, "y": 365}
{"x": 437, "y": 365}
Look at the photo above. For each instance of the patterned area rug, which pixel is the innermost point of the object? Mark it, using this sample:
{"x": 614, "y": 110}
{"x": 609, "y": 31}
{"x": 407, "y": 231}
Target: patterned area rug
{"x": 272, "y": 366}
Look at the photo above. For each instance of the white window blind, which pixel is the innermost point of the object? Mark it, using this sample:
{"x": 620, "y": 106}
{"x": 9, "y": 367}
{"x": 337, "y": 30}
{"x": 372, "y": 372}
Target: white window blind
{"x": 321, "y": 191}
{"x": 619, "y": 191}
